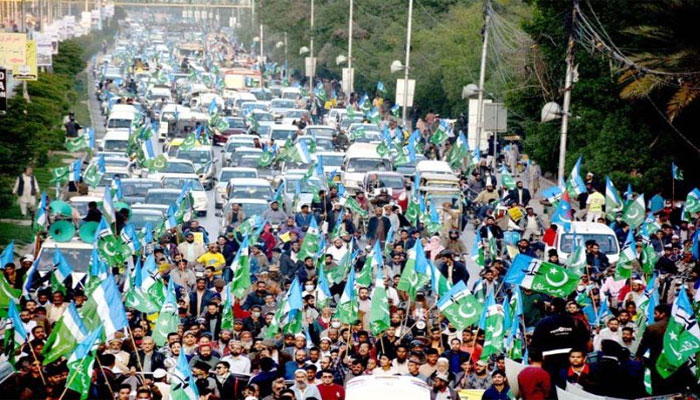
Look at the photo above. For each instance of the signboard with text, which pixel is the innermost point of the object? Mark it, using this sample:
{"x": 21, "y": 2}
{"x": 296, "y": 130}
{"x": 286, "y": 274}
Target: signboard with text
{"x": 28, "y": 71}
{"x": 13, "y": 50}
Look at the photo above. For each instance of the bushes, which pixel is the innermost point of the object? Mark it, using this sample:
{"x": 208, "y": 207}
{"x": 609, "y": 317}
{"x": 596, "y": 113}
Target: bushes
{"x": 32, "y": 129}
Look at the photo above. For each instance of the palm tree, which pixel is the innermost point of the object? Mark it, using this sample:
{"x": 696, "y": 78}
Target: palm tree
{"x": 669, "y": 58}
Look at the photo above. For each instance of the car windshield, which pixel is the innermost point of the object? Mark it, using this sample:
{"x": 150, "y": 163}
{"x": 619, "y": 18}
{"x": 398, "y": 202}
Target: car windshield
{"x": 251, "y": 192}
{"x": 117, "y": 162}
{"x": 178, "y": 183}
{"x": 324, "y": 144}
{"x": 231, "y": 146}
{"x": 294, "y": 114}
{"x": 439, "y": 199}
{"x": 325, "y": 132}
{"x": 281, "y": 134}
{"x": 367, "y": 164}
{"x": 406, "y": 169}
{"x": 119, "y": 123}
{"x": 280, "y": 103}
{"x": 230, "y": 174}
{"x": 115, "y": 145}
{"x": 138, "y": 189}
{"x": 79, "y": 259}
{"x": 332, "y": 161}
{"x": 254, "y": 208}
{"x": 196, "y": 156}
{"x": 139, "y": 219}
{"x": 178, "y": 168}
{"x": 107, "y": 178}
{"x": 262, "y": 130}
{"x": 262, "y": 95}
{"x": 248, "y": 162}
{"x": 236, "y": 123}
{"x": 390, "y": 181}
{"x": 305, "y": 185}
{"x": 608, "y": 243}
{"x": 263, "y": 117}
{"x": 162, "y": 198}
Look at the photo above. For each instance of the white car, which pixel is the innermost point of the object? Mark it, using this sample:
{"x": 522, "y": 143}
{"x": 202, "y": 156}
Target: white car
{"x": 106, "y": 180}
{"x": 307, "y": 189}
{"x": 278, "y": 106}
{"x": 280, "y": 133}
{"x": 291, "y": 116}
{"x": 174, "y": 167}
{"x": 334, "y": 116}
{"x": 256, "y": 188}
{"x": 250, "y": 207}
{"x": 199, "y": 195}
{"x": 320, "y": 131}
{"x": 223, "y": 178}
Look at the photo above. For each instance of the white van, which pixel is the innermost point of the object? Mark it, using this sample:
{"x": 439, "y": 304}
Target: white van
{"x": 370, "y": 387}
{"x": 291, "y": 93}
{"x": 120, "y": 119}
{"x": 360, "y": 158}
{"x": 581, "y": 232}
{"x": 115, "y": 140}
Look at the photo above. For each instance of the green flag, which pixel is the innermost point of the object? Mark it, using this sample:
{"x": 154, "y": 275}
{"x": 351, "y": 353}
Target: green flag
{"x": 189, "y": 142}
{"x": 460, "y": 307}
{"x": 92, "y": 176}
{"x": 266, "y": 159}
{"x": 77, "y": 144}
{"x": 412, "y": 279}
{"x": 112, "y": 250}
{"x": 379, "y": 319}
{"x": 347, "y": 306}
{"x": 635, "y": 212}
{"x": 168, "y": 318}
{"x": 353, "y": 205}
{"x": 80, "y": 365}
{"x": 7, "y": 292}
{"x": 60, "y": 174}
{"x": 68, "y": 331}
{"x": 412, "y": 211}
{"x": 241, "y": 271}
{"x": 495, "y": 321}
{"x": 682, "y": 337}
{"x": 648, "y": 258}
{"x": 507, "y": 179}
{"x": 312, "y": 239}
{"x": 439, "y": 136}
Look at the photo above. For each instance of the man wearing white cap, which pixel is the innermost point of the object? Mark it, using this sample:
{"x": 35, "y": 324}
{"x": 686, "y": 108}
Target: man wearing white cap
{"x": 302, "y": 390}
{"x": 161, "y": 383}
{"x": 239, "y": 363}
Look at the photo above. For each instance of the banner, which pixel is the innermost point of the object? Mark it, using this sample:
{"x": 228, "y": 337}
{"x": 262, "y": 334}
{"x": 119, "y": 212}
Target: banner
{"x": 13, "y": 50}
{"x": 44, "y": 50}
{"x": 28, "y": 71}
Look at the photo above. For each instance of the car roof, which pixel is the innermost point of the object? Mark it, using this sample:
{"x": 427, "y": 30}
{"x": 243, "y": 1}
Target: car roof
{"x": 281, "y": 127}
{"x": 163, "y": 190}
{"x": 137, "y": 180}
{"x": 244, "y": 200}
{"x": 242, "y": 169}
{"x": 249, "y": 181}
{"x": 589, "y": 228}
{"x": 146, "y": 211}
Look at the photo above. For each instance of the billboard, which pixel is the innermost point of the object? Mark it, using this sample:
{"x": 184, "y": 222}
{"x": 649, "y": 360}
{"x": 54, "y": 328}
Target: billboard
{"x": 28, "y": 71}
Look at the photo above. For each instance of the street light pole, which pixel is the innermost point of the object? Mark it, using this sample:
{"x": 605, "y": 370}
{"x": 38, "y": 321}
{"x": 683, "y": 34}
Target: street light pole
{"x": 311, "y": 50}
{"x": 406, "y": 64}
{"x": 482, "y": 79}
{"x": 351, "y": 75}
{"x": 567, "y": 97}
{"x": 286, "y": 65}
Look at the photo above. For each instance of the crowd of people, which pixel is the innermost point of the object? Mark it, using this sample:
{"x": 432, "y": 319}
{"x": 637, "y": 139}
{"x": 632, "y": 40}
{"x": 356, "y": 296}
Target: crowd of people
{"x": 602, "y": 336}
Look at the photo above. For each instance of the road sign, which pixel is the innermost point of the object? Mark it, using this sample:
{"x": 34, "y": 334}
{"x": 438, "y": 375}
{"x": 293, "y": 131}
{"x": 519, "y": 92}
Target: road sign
{"x": 399, "y": 91}
{"x": 310, "y": 69}
{"x": 495, "y": 117}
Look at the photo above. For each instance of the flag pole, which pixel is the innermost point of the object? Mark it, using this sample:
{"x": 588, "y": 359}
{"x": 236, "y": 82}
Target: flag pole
{"x": 41, "y": 374}
{"x": 105, "y": 375}
{"x": 136, "y": 349}
{"x": 65, "y": 389}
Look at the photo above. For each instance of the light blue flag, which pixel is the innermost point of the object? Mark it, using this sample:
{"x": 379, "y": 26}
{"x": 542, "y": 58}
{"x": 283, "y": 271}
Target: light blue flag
{"x": 562, "y": 214}
{"x": 103, "y": 229}
{"x": 91, "y": 137}
{"x": 7, "y": 255}
{"x": 182, "y": 383}
{"x": 147, "y": 233}
{"x": 507, "y": 323}
{"x": 381, "y": 87}
{"x": 108, "y": 205}
{"x": 84, "y": 347}
{"x": 294, "y": 300}
{"x": 101, "y": 164}
{"x": 97, "y": 267}
{"x": 131, "y": 238}
{"x": 20, "y": 334}
{"x": 110, "y": 307}
{"x": 63, "y": 268}
{"x": 30, "y": 278}
{"x": 75, "y": 170}
{"x": 489, "y": 302}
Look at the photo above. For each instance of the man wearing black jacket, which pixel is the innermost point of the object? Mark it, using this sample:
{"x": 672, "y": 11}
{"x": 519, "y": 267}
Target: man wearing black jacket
{"x": 556, "y": 335}
{"x": 455, "y": 271}
{"x": 147, "y": 358}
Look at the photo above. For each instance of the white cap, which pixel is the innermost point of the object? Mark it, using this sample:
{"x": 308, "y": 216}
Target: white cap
{"x": 159, "y": 373}
{"x": 28, "y": 257}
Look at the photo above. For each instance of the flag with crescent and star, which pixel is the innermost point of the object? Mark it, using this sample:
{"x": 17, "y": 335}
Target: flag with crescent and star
{"x": 460, "y": 307}
{"x": 531, "y": 273}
